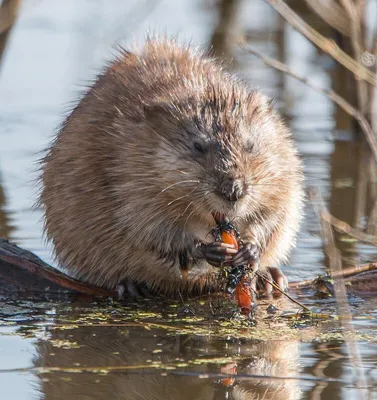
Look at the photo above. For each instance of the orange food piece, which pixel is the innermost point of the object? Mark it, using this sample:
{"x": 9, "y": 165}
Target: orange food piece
{"x": 230, "y": 238}
{"x": 229, "y": 369}
{"x": 243, "y": 290}
{"x": 244, "y": 297}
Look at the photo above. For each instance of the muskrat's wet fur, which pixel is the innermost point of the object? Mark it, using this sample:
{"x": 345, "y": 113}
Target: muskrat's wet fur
{"x": 132, "y": 177}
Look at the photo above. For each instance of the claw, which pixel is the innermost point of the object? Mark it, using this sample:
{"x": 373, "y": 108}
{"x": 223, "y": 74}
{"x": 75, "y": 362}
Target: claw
{"x": 218, "y": 258}
{"x": 221, "y": 248}
{"x": 217, "y": 253}
{"x": 248, "y": 254}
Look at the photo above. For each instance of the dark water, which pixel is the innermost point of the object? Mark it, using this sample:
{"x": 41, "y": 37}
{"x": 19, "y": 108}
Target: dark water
{"x": 86, "y": 350}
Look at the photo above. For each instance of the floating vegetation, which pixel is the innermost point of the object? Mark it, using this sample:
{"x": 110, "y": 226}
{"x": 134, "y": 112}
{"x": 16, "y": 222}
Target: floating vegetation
{"x": 199, "y": 322}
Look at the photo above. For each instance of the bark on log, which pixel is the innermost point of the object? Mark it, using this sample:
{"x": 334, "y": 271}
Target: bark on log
{"x": 21, "y": 271}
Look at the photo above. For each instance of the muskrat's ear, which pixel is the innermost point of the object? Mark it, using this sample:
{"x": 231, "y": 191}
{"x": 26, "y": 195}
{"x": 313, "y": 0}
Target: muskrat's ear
{"x": 157, "y": 109}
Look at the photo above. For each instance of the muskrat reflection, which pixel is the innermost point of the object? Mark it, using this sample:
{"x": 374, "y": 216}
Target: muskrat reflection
{"x": 116, "y": 347}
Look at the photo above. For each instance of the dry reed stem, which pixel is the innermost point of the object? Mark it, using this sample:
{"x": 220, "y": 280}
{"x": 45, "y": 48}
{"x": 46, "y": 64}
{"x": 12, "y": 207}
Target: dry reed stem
{"x": 372, "y": 220}
{"x": 335, "y": 265}
{"x": 357, "y": 44}
{"x": 327, "y": 45}
{"x": 332, "y": 13}
{"x": 340, "y": 101}
{"x": 372, "y": 107}
{"x": 343, "y": 227}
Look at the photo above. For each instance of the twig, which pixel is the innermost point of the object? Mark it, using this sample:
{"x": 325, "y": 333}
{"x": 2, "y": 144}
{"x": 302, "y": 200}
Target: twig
{"x": 345, "y": 273}
{"x": 327, "y": 45}
{"x": 276, "y": 287}
{"x": 340, "y": 101}
{"x": 335, "y": 265}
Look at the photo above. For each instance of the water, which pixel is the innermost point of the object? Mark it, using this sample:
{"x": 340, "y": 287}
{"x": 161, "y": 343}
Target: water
{"x": 108, "y": 351}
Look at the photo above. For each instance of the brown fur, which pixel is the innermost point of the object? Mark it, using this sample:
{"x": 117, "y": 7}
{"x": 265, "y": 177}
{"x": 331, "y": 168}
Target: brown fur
{"x": 125, "y": 193}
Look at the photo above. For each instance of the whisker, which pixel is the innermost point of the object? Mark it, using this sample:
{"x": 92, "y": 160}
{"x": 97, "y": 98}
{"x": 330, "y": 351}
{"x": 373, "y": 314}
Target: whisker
{"x": 196, "y": 165}
{"x": 184, "y": 212}
{"x": 193, "y": 210}
{"x": 178, "y": 183}
{"x": 181, "y": 197}
{"x": 184, "y": 226}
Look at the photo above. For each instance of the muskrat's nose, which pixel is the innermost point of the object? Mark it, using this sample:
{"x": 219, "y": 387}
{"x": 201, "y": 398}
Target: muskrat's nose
{"x": 232, "y": 190}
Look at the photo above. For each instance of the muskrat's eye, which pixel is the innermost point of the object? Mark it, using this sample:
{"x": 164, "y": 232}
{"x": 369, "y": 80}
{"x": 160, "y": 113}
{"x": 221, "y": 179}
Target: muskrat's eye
{"x": 199, "y": 148}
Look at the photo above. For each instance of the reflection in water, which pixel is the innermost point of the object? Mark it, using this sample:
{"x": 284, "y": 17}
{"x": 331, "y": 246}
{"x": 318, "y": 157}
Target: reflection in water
{"x": 140, "y": 348}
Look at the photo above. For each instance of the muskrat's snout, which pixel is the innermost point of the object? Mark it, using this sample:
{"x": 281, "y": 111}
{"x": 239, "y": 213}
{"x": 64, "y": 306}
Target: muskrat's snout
{"x": 231, "y": 189}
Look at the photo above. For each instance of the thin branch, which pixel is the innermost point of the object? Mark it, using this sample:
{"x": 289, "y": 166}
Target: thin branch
{"x": 340, "y": 101}
{"x": 345, "y": 273}
{"x": 276, "y": 287}
{"x": 327, "y": 45}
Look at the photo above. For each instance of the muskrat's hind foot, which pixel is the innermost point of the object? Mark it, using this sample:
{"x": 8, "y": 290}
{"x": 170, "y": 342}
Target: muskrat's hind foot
{"x": 132, "y": 289}
{"x": 275, "y": 275}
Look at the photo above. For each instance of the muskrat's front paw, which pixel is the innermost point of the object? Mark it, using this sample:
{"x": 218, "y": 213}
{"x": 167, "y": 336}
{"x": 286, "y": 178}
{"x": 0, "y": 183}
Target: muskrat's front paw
{"x": 248, "y": 254}
{"x": 217, "y": 253}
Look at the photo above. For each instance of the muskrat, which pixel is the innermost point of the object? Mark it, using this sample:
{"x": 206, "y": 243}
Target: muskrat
{"x": 162, "y": 140}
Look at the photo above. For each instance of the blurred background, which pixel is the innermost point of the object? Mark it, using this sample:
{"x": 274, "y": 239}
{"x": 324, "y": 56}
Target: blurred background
{"x": 51, "y": 50}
